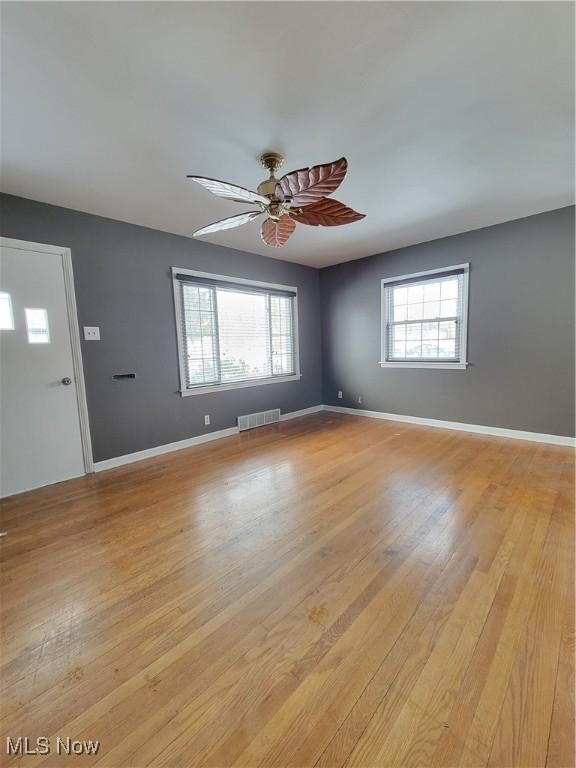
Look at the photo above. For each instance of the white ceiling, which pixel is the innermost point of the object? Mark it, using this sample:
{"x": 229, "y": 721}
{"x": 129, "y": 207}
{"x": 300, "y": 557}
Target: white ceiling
{"x": 453, "y": 115}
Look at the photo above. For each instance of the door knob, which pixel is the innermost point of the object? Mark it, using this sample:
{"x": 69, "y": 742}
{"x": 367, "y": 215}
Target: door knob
{"x": 66, "y": 381}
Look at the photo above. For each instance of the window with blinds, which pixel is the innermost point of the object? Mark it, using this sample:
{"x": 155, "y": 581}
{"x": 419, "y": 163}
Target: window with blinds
{"x": 234, "y": 333}
{"x": 424, "y": 318}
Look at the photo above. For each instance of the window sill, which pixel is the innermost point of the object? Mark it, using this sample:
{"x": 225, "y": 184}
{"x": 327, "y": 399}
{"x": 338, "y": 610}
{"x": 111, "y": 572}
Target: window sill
{"x": 239, "y": 385}
{"x": 441, "y": 366}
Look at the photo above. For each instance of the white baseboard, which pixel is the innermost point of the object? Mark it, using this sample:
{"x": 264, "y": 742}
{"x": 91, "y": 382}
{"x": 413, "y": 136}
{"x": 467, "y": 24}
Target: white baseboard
{"x": 303, "y": 412}
{"x": 158, "y": 450}
{"x": 514, "y": 434}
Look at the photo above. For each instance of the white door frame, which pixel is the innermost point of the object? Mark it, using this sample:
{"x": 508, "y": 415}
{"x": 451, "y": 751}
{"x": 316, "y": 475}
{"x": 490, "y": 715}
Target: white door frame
{"x": 66, "y": 258}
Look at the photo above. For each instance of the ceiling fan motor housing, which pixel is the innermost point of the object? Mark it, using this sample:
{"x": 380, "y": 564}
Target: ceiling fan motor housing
{"x": 272, "y": 161}
{"x": 268, "y": 188}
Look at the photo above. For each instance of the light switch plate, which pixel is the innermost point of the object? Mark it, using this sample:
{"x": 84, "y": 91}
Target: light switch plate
{"x": 91, "y": 333}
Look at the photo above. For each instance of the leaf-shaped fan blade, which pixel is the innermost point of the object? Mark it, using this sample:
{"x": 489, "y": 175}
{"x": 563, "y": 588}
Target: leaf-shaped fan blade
{"x": 326, "y": 213}
{"x": 230, "y": 191}
{"x": 276, "y": 233}
{"x": 229, "y": 223}
{"x": 307, "y": 185}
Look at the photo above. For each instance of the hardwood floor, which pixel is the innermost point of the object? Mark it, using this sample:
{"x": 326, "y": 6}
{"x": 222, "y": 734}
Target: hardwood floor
{"x": 330, "y": 591}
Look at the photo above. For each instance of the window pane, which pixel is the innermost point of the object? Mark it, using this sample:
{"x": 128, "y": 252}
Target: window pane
{"x": 200, "y": 344}
{"x": 449, "y": 289}
{"x": 413, "y": 349}
{"x": 208, "y": 347}
{"x": 399, "y": 349}
{"x": 430, "y": 349}
{"x": 282, "y": 365}
{"x": 414, "y": 331}
{"x": 431, "y": 309}
{"x": 415, "y": 293}
{"x": 191, "y": 295}
{"x": 205, "y": 298}
{"x": 447, "y": 348}
{"x": 399, "y": 332}
{"x": 400, "y": 296}
{"x": 430, "y": 330}
{"x": 37, "y": 326}
{"x": 432, "y": 291}
{"x": 210, "y": 369}
{"x": 400, "y": 313}
{"x": 194, "y": 346}
{"x": 206, "y": 322}
{"x": 282, "y": 338}
{"x": 244, "y": 335}
{"x": 415, "y": 311}
{"x": 447, "y": 329}
{"x": 6, "y": 316}
{"x": 448, "y": 308}
{"x": 195, "y": 371}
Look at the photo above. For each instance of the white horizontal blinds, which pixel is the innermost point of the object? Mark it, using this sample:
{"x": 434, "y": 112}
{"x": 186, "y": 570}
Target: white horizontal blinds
{"x": 199, "y": 333}
{"x": 232, "y": 333}
{"x": 283, "y": 352}
{"x": 424, "y": 317}
{"x": 256, "y": 335}
{"x": 243, "y": 331}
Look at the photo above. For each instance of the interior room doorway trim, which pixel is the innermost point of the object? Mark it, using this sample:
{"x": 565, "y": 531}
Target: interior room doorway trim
{"x": 66, "y": 259}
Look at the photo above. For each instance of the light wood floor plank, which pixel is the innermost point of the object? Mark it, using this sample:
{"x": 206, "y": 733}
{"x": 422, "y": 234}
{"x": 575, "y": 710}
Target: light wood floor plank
{"x": 329, "y": 591}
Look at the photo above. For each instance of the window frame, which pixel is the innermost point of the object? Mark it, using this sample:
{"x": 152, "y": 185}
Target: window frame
{"x": 463, "y": 363}
{"x": 178, "y": 311}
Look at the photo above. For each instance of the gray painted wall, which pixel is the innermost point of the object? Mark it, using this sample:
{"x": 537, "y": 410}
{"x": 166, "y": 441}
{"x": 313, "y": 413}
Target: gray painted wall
{"x": 123, "y": 285}
{"x": 520, "y": 334}
{"x": 520, "y": 330}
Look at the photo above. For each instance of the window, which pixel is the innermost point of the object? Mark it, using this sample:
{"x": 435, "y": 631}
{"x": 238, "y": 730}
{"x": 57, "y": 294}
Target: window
{"x": 424, "y": 319}
{"x": 6, "y": 315}
{"x": 37, "y": 326}
{"x": 234, "y": 333}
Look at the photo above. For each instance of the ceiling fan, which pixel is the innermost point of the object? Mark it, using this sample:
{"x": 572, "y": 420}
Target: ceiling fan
{"x": 299, "y": 196}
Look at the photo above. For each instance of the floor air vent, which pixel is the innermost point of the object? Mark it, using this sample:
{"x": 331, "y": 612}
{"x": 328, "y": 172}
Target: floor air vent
{"x": 258, "y": 419}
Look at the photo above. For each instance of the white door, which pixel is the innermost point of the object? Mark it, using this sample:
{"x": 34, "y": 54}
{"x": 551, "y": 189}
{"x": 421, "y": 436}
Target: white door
{"x": 41, "y": 439}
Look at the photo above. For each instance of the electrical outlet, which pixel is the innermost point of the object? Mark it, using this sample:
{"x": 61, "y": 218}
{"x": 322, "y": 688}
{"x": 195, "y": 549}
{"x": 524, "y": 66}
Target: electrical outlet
{"x": 206, "y": 420}
{"x": 359, "y": 399}
{"x": 91, "y": 333}
{"x": 339, "y": 394}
